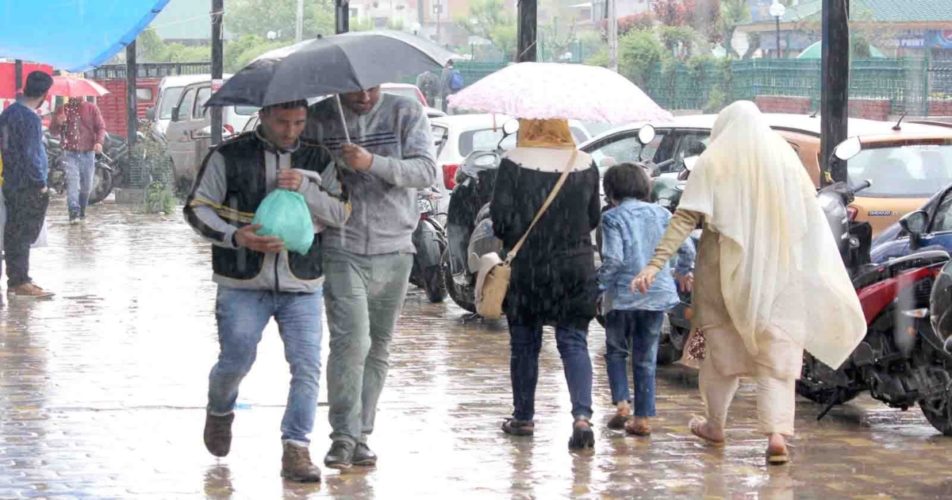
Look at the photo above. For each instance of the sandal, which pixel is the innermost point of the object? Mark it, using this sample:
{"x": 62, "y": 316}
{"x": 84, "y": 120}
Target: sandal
{"x": 637, "y": 427}
{"x": 777, "y": 455}
{"x": 515, "y": 427}
{"x": 582, "y": 435}
{"x": 697, "y": 425}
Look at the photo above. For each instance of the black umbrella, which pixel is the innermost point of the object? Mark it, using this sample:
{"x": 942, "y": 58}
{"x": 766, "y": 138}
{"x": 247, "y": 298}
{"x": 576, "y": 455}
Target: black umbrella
{"x": 333, "y": 64}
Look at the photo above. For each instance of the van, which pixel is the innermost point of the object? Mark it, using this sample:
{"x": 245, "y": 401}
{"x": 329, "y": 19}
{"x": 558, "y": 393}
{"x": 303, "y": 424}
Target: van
{"x": 188, "y": 135}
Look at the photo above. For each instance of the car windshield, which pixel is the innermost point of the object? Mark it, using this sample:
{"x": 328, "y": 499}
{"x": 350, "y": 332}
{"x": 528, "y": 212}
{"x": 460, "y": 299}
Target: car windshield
{"x": 246, "y": 110}
{"x": 484, "y": 139}
{"x": 915, "y": 171}
{"x": 169, "y": 98}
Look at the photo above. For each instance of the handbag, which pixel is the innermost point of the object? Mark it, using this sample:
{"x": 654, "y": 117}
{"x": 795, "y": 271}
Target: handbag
{"x": 694, "y": 349}
{"x": 492, "y": 279}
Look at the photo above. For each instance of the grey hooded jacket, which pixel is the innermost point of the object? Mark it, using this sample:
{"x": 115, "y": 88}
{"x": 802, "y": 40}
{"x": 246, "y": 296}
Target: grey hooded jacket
{"x": 397, "y": 132}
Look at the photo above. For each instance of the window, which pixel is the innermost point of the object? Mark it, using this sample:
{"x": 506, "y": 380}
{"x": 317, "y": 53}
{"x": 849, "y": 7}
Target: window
{"x": 439, "y": 136}
{"x": 483, "y": 140}
{"x": 913, "y": 171}
{"x": 246, "y": 110}
{"x": 620, "y": 150}
{"x": 144, "y": 94}
{"x": 188, "y": 100}
{"x": 169, "y": 99}
{"x": 200, "y": 110}
{"x": 691, "y": 144}
{"x": 943, "y": 215}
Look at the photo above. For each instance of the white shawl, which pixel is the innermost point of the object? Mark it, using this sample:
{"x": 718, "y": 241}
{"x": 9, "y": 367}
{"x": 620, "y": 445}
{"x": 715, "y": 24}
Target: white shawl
{"x": 779, "y": 265}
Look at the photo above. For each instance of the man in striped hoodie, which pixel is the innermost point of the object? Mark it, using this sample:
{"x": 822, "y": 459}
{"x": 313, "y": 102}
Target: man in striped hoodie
{"x": 384, "y": 155}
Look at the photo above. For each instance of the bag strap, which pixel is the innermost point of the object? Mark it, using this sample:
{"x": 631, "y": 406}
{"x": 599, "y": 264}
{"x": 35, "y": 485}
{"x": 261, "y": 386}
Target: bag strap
{"x": 545, "y": 206}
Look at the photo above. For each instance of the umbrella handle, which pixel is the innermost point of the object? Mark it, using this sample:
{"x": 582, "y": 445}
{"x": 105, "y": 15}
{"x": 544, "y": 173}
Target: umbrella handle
{"x": 343, "y": 121}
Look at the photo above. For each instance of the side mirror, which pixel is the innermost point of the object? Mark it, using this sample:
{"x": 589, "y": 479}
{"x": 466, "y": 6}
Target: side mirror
{"x": 690, "y": 162}
{"x": 150, "y": 114}
{"x": 510, "y": 127}
{"x": 175, "y": 114}
{"x": 848, "y": 149}
{"x": 646, "y": 134}
{"x": 916, "y": 224}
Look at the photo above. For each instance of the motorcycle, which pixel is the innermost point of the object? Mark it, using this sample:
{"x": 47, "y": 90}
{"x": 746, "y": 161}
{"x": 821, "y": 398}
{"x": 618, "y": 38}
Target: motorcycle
{"x": 429, "y": 240}
{"x": 56, "y": 177}
{"x": 468, "y": 224}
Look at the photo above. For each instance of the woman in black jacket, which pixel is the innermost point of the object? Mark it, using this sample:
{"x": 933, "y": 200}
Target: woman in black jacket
{"x": 553, "y": 275}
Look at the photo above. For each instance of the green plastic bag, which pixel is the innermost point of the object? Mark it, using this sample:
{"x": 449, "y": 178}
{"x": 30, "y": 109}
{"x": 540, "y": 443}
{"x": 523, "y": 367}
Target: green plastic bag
{"x": 285, "y": 214}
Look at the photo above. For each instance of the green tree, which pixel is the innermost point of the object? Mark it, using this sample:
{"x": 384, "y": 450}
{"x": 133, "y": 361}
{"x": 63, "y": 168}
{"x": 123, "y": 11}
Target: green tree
{"x": 639, "y": 52}
{"x": 733, "y": 14}
{"x": 491, "y": 20}
{"x": 259, "y": 17}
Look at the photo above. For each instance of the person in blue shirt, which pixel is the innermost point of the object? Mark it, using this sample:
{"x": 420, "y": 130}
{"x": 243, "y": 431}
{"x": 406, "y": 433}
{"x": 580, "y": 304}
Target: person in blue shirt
{"x": 24, "y": 183}
{"x": 631, "y": 230}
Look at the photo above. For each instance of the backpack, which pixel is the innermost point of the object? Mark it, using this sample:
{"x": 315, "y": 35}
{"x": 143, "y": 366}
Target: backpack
{"x": 456, "y": 81}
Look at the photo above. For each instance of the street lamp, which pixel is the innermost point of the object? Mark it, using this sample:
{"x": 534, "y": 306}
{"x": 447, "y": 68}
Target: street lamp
{"x": 777, "y": 10}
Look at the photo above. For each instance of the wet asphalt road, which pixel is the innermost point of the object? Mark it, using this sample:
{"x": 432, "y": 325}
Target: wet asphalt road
{"x": 102, "y": 394}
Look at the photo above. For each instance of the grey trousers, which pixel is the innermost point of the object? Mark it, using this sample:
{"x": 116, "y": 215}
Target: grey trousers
{"x": 363, "y": 296}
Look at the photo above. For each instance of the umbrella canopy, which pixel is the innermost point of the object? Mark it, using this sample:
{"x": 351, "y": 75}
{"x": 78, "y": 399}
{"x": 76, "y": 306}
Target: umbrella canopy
{"x": 815, "y": 50}
{"x": 333, "y": 64}
{"x": 555, "y": 90}
{"x": 73, "y": 86}
{"x": 74, "y": 35}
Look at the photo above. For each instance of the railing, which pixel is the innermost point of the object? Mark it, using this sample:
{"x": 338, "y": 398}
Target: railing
{"x": 150, "y": 70}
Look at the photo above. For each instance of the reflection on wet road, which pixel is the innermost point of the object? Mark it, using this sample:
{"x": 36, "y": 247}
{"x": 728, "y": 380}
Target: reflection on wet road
{"x": 102, "y": 394}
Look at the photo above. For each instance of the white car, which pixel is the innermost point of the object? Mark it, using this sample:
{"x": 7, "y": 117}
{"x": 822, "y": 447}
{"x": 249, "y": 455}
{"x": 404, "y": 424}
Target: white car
{"x": 457, "y": 136}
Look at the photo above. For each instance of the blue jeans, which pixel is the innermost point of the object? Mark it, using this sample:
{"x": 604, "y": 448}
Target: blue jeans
{"x": 242, "y": 316}
{"x": 525, "y": 341}
{"x": 633, "y": 333}
{"x": 364, "y": 296}
{"x": 80, "y": 169}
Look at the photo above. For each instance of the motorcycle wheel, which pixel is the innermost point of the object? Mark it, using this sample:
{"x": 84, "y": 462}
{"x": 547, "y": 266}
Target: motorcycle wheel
{"x": 102, "y": 186}
{"x": 456, "y": 291}
{"x": 434, "y": 284}
{"x": 671, "y": 346}
{"x": 938, "y": 411}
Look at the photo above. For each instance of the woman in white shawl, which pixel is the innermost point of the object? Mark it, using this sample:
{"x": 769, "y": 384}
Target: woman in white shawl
{"x": 769, "y": 280}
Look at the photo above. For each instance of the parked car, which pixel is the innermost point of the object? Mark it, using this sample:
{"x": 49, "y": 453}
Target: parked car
{"x": 188, "y": 136}
{"x": 169, "y": 93}
{"x": 936, "y": 219}
{"x": 457, "y": 136}
{"x": 906, "y": 166}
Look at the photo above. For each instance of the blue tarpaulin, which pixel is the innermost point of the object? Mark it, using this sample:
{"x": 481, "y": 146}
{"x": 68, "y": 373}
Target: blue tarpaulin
{"x": 73, "y": 35}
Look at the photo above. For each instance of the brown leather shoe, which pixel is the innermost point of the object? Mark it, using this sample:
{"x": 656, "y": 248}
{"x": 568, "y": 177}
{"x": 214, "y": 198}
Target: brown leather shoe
{"x": 29, "y": 291}
{"x": 296, "y": 465}
{"x": 638, "y": 427}
{"x": 218, "y": 434}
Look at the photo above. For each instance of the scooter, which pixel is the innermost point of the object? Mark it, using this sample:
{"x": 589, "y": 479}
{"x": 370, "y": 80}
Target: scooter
{"x": 429, "y": 240}
{"x": 468, "y": 225}
{"x": 901, "y": 361}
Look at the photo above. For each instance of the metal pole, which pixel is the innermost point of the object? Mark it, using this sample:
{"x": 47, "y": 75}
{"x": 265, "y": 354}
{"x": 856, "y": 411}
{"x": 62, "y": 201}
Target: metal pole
{"x": 439, "y": 12}
{"x": 218, "y": 8}
{"x": 778, "y": 37}
{"x": 612, "y": 36}
{"x": 834, "y": 92}
{"x": 132, "y": 108}
{"x": 341, "y": 16}
{"x": 299, "y": 25}
{"x": 18, "y": 76}
{"x": 526, "y": 31}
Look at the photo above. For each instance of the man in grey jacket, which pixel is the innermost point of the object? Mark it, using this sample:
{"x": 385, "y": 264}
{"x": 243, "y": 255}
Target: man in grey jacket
{"x": 258, "y": 278}
{"x": 367, "y": 262}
